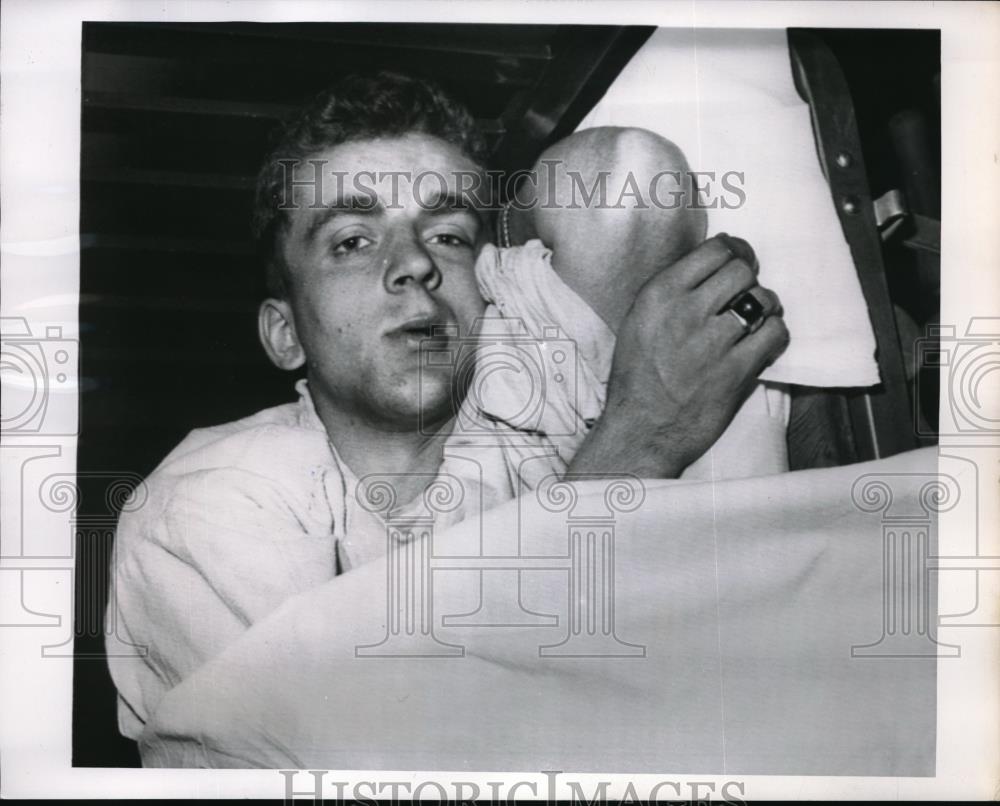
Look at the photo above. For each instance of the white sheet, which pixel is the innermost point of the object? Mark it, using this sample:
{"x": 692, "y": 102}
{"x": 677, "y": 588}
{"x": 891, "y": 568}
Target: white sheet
{"x": 747, "y": 611}
{"x": 727, "y": 99}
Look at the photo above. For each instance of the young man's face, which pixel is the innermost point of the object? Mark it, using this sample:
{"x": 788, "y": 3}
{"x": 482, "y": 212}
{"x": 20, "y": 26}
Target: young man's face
{"x": 368, "y": 285}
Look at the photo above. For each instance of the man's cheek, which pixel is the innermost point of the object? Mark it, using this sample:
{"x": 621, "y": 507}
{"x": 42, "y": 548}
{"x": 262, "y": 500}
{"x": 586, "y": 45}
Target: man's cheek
{"x": 467, "y": 304}
{"x": 467, "y": 323}
{"x": 459, "y": 270}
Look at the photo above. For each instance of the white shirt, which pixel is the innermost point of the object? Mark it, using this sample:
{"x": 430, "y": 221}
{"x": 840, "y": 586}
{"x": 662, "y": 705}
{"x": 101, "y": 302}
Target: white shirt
{"x": 239, "y": 518}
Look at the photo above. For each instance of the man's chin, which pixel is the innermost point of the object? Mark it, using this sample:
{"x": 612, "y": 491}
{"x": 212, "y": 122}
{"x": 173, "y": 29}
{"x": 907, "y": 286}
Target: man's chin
{"x": 435, "y": 409}
{"x": 421, "y": 402}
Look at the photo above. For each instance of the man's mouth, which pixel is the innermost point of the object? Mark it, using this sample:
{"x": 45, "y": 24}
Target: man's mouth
{"x": 425, "y": 332}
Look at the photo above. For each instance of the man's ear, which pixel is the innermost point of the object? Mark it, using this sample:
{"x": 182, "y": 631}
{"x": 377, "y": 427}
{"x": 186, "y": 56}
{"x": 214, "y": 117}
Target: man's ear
{"x": 276, "y": 328}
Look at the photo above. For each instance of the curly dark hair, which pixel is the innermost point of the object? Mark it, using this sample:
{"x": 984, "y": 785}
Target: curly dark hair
{"x": 359, "y": 107}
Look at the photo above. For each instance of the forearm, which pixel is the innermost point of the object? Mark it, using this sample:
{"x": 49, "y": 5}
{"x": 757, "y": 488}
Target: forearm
{"x": 617, "y": 445}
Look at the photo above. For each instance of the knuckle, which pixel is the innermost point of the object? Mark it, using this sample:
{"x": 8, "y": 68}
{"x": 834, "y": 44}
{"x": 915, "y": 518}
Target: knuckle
{"x": 719, "y": 249}
{"x": 742, "y": 249}
{"x": 782, "y": 336}
{"x": 653, "y": 293}
{"x": 654, "y": 298}
{"x": 768, "y": 299}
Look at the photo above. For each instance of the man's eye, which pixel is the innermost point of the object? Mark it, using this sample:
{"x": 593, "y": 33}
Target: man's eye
{"x": 449, "y": 239}
{"x": 352, "y": 244}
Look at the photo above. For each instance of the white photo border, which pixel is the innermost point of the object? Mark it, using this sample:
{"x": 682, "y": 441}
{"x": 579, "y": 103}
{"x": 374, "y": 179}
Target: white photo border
{"x": 40, "y": 59}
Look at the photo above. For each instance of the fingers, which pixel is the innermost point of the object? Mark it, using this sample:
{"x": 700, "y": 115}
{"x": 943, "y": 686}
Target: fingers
{"x": 741, "y": 251}
{"x": 761, "y": 348}
{"x": 734, "y": 329}
{"x": 701, "y": 263}
{"x": 721, "y": 288}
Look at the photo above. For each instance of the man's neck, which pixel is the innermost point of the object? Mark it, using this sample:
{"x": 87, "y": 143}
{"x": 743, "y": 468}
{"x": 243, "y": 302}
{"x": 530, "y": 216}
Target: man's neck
{"x": 413, "y": 457}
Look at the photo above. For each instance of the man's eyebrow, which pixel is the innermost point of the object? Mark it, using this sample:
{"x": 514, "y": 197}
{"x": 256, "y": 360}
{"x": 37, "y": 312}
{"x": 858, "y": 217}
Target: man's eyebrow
{"x": 351, "y": 205}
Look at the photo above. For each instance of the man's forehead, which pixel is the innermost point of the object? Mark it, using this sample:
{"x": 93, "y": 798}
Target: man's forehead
{"x": 395, "y": 164}
{"x": 411, "y": 175}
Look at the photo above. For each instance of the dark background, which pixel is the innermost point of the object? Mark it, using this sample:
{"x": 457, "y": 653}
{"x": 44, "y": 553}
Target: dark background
{"x": 175, "y": 120}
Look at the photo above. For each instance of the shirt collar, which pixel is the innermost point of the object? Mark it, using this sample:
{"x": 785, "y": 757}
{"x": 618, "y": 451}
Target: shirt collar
{"x": 307, "y": 415}
{"x": 309, "y": 419}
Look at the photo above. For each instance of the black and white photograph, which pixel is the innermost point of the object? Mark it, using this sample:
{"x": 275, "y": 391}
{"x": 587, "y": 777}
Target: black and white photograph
{"x": 563, "y": 400}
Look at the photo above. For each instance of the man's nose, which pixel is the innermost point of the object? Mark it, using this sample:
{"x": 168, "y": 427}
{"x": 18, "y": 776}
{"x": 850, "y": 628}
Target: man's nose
{"x": 409, "y": 261}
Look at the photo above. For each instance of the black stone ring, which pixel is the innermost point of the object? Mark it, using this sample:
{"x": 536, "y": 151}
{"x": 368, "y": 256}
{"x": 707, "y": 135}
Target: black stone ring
{"x": 747, "y": 310}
